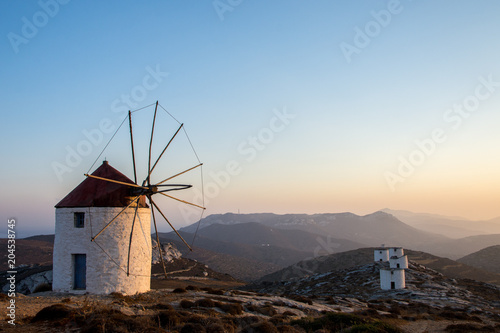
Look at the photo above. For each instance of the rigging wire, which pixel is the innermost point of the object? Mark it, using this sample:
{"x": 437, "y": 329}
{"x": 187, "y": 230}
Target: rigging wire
{"x": 203, "y": 204}
{"x": 169, "y": 114}
{"x": 107, "y": 144}
{"x": 144, "y": 107}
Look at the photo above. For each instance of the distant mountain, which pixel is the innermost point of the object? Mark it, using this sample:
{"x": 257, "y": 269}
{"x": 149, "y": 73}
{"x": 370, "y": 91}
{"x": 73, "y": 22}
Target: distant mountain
{"x": 457, "y": 248}
{"x": 359, "y": 257}
{"x": 259, "y": 234}
{"x": 495, "y": 220}
{"x": 449, "y": 226}
{"x": 371, "y": 230}
{"x": 487, "y": 259}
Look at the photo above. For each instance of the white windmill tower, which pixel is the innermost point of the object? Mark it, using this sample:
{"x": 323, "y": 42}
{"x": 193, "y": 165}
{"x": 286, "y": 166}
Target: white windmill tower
{"x": 103, "y": 228}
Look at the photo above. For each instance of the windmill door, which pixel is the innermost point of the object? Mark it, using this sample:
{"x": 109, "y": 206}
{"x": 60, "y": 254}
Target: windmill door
{"x": 80, "y": 271}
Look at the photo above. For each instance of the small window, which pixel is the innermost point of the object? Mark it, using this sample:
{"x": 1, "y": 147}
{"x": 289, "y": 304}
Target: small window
{"x": 79, "y": 220}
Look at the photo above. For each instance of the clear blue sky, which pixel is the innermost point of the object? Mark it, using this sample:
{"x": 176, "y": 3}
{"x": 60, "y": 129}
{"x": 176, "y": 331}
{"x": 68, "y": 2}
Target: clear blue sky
{"x": 354, "y": 84}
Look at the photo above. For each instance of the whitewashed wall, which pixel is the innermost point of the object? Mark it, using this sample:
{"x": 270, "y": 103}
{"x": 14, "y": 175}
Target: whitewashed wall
{"x": 396, "y": 252}
{"x": 402, "y": 261}
{"x": 381, "y": 255}
{"x": 392, "y": 275}
{"x": 103, "y": 274}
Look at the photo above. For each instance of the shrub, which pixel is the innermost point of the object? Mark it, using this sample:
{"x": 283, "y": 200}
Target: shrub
{"x": 231, "y": 308}
{"x": 106, "y": 320}
{"x": 53, "y": 313}
{"x": 376, "y": 327}
{"x": 216, "y": 328}
{"x": 331, "y": 320}
{"x": 193, "y": 328}
{"x": 303, "y": 299}
{"x": 205, "y": 303}
{"x": 193, "y": 288}
{"x": 451, "y": 314}
{"x": 162, "y": 306}
{"x": 288, "y": 313}
{"x": 42, "y": 287}
{"x": 168, "y": 319}
{"x": 179, "y": 291}
{"x": 186, "y": 304}
{"x": 261, "y": 327}
{"x": 288, "y": 329}
{"x": 462, "y": 328}
{"x": 267, "y": 310}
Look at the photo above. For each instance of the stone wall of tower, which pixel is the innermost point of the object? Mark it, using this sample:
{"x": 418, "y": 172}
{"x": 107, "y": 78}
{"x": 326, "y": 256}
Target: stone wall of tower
{"x": 107, "y": 256}
{"x": 381, "y": 255}
{"x": 393, "y": 278}
{"x": 396, "y": 252}
{"x": 398, "y": 262}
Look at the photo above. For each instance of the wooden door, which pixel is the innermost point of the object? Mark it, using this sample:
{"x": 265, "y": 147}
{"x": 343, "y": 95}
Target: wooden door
{"x": 80, "y": 271}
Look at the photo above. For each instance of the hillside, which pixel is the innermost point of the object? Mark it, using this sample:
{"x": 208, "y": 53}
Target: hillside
{"x": 274, "y": 255}
{"x": 29, "y": 252}
{"x": 458, "y": 248}
{"x": 427, "y": 293}
{"x": 350, "y": 259}
{"x": 259, "y": 234}
{"x": 238, "y": 267}
{"x": 487, "y": 259}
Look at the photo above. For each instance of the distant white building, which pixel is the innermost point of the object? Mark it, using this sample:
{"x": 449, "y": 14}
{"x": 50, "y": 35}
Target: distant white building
{"x": 392, "y": 277}
{"x": 396, "y": 252}
{"x": 381, "y": 254}
{"x": 398, "y": 262}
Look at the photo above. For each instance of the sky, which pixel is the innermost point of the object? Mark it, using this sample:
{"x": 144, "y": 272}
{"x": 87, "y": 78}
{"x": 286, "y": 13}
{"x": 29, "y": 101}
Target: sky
{"x": 291, "y": 106}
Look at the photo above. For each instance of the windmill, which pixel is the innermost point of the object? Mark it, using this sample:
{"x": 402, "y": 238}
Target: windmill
{"x": 117, "y": 221}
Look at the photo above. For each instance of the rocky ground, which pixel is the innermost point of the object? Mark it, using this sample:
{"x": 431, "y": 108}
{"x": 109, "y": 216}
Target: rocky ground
{"x": 428, "y": 297}
{"x": 338, "y": 301}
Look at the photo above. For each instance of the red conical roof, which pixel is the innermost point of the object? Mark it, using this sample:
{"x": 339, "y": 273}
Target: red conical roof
{"x": 94, "y": 192}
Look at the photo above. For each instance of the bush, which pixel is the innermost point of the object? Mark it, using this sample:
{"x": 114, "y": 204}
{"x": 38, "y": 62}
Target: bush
{"x": 179, "y": 291}
{"x": 107, "y": 320}
{"x": 288, "y": 329}
{"x": 53, "y": 313}
{"x": 213, "y": 291}
{"x": 462, "y": 328}
{"x": 231, "y": 308}
{"x": 215, "y": 328}
{"x": 162, "y": 306}
{"x": 193, "y": 328}
{"x": 303, "y": 299}
{"x": 376, "y": 327}
{"x": 205, "y": 303}
{"x": 168, "y": 319}
{"x": 193, "y": 288}
{"x": 42, "y": 287}
{"x": 331, "y": 320}
{"x": 186, "y": 304}
{"x": 261, "y": 327}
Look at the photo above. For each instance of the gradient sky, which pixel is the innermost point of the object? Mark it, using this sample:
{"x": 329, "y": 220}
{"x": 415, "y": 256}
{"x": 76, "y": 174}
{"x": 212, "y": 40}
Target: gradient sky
{"x": 315, "y": 107}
